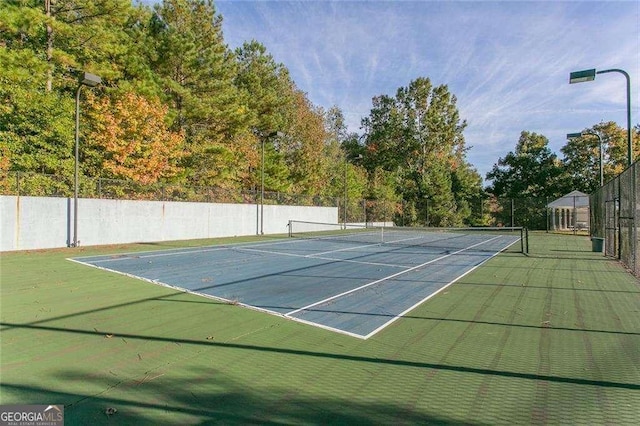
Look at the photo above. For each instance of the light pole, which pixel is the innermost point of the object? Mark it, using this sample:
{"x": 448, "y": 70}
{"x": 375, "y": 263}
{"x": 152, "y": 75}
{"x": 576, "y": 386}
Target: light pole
{"x": 590, "y": 75}
{"x": 90, "y": 80}
{"x": 346, "y": 195}
{"x": 426, "y": 199}
{"x": 600, "y": 144}
{"x": 270, "y": 135}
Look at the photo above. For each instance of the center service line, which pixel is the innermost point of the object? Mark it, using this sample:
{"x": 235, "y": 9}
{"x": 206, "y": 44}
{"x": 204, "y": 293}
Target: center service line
{"x": 385, "y": 278}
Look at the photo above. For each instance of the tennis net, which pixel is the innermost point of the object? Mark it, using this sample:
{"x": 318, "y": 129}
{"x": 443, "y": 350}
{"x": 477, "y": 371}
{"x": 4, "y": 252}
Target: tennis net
{"x": 511, "y": 239}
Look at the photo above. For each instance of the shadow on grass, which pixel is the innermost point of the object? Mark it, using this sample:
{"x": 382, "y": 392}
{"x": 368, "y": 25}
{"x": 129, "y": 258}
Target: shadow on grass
{"x": 577, "y": 257}
{"x": 549, "y": 287}
{"x": 171, "y": 297}
{"x": 215, "y": 399}
{"x": 569, "y": 251}
{"x": 288, "y": 351}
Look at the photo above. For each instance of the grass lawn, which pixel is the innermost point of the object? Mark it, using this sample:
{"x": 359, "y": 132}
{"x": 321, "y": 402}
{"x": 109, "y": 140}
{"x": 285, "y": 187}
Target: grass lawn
{"x": 548, "y": 338}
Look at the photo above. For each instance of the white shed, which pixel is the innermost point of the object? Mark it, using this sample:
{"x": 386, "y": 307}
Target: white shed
{"x": 570, "y": 211}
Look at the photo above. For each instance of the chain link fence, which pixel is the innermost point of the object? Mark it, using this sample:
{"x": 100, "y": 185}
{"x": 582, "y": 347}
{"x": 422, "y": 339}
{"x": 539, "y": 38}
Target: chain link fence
{"x": 43, "y": 185}
{"x": 570, "y": 216}
{"x": 614, "y": 209}
{"x": 532, "y": 213}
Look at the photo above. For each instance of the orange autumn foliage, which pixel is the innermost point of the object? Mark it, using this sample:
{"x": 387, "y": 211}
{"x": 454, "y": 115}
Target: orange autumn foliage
{"x": 135, "y": 140}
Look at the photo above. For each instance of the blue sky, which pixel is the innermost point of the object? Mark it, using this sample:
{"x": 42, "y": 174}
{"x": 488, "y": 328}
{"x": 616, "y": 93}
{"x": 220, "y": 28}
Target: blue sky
{"x": 507, "y": 62}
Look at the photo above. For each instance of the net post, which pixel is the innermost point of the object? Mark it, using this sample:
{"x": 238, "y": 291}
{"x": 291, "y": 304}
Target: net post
{"x": 290, "y": 231}
{"x": 521, "y": 240}
{"x": 526, "y": 233}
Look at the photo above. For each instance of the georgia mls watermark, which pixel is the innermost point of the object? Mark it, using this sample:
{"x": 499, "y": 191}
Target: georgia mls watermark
{"x": 31, "y": 415}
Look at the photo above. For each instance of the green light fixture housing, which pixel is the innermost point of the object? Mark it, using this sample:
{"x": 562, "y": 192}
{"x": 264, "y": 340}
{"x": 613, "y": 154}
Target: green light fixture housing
{"x": 582, "y": 76}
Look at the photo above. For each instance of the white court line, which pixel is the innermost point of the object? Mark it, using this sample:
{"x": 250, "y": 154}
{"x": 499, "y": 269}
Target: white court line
{"x": 315, "y": 256}
{"x": 346, "y": 249}
{"x": 117, "y": 257}
{"x": 243, "y": 246}
{"x": 170, "y": 252}
{"x": 288, "y": 315}
{"x": 319, "y": 255}
{"x": 381, "y": 243}
{"x": 403, "y": 313}
{"x": 221, "y": 299}
{"x": 385, "y": 278}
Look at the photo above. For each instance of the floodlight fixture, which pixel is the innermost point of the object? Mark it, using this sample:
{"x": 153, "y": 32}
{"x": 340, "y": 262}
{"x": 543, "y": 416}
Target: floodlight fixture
{"x": 582, "y": 76}
{"x": 90, "y": 80}
{"x": 589, "y": 75}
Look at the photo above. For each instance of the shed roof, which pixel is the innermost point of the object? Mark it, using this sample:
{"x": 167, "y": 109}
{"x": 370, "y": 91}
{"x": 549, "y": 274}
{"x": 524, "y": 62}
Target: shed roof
{"x": 574, "y": 199}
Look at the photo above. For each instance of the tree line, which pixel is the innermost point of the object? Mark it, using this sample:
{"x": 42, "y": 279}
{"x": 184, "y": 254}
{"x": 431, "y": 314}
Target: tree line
{"x": 178, "y": 106}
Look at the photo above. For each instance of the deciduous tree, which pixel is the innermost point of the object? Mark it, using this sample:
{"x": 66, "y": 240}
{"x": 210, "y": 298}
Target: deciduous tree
{"x": 132, "y": 138}
{"x": 417, "y": 135}
{"x": 532, "y": 170}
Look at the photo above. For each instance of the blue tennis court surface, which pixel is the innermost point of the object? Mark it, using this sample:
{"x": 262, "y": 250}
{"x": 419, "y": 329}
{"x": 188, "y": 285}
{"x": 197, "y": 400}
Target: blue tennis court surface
{"x": 352, "y": 287}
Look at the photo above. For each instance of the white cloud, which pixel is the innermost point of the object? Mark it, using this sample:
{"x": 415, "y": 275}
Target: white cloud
{"x": 506, "y": 62}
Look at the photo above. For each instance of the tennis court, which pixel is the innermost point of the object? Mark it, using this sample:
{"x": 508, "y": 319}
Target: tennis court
{"x": 548, "y": 338}
{"x": 353, "y": 281}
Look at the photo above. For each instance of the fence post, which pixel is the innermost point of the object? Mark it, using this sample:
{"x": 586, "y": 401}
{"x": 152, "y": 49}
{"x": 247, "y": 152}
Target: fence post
{"x": 546, "y": 212}
{"x": 512, "y": 212}
{"x": 426, "y": 219}
{"x": 634, "y": 213}
{"x": 619, "y": 178}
